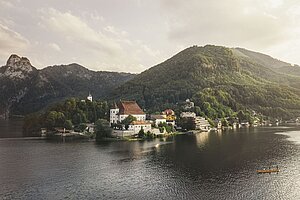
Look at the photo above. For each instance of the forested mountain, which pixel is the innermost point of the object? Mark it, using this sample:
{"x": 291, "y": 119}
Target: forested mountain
{"x": 268, "y": 61}
{"x": 220, "y": 81}
{"x": 24, "y": 89}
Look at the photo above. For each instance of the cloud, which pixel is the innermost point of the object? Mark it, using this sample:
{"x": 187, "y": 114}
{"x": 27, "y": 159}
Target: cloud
{"x": 6, "y": 4}
{"x": 11, "y": 42}
{"x": 249, "y": 23}
{"x": 135, "y": 35}
{"x": 105, "y": 47}
{"x": 55, "y": 46}
{"x": 77, "y": 31}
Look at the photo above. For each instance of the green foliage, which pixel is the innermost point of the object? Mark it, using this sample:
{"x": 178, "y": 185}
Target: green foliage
{"x": 128, "y": 120}
{"x": 224, "y": 122}
{"x": 211, "y": 122}
{"x": 141, "y": 133}
{"x": 103, "y": 129}
{"x": 161, "y": 129}
{"x": 149, "y": 135}
{"x": 164, "y": 126}
{"x": 32, "y": 125}
{"x": 80, "y": 128}
{"x": 187, "y": 123}
{"x": 71, "y": 112}
{"x": 54, "y": 84}
{"x": 55, "y": 119}
{"x": 220, "y": 81}
{"x": 68, "y": 125}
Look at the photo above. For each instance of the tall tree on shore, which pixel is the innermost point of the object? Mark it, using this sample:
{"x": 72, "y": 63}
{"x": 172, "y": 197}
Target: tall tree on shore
{"x": 102, "y": 129}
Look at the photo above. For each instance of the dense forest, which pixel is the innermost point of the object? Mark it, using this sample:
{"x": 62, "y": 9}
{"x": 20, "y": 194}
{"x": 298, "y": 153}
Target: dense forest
{"x": 25, "y": 89}
{"x": 220, "y": 81}
{"x": 68, "y": 114}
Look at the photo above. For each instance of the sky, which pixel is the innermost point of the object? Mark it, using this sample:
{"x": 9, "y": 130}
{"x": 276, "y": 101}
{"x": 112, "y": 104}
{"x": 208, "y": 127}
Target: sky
{"x": 134, "y": 35}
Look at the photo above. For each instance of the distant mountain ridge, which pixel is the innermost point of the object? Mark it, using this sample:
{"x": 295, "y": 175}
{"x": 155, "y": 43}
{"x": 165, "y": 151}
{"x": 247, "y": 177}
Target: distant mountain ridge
{"x": 25, "y": 89}
{"x": 220, "y": 78}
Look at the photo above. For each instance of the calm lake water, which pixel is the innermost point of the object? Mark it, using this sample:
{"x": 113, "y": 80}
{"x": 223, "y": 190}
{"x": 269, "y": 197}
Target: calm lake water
{"x": 201, "y": 166}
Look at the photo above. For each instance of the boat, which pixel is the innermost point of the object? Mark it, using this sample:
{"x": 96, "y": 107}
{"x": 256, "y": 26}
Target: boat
{"x": 263, "y": 171}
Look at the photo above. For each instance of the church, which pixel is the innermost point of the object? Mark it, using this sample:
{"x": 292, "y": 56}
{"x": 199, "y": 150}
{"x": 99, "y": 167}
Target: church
{"x": 125, "y": 108}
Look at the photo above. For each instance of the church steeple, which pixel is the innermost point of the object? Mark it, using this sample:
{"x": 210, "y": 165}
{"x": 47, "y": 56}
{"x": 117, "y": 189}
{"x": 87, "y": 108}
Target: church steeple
{"x": 90, "y": 97}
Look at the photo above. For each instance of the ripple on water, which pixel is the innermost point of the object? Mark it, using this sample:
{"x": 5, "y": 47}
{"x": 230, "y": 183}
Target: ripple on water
{"x": 207, "y": 166}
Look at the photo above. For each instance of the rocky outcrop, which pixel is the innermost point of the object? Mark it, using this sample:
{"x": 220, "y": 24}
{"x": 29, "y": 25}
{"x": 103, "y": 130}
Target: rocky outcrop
{"x": 18, "y": 68}
{"x": 25, "y": 89}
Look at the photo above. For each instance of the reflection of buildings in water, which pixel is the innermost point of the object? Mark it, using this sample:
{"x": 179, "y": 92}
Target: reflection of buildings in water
{"x": 202, "y": 139}
{"x": 219, "y": 134}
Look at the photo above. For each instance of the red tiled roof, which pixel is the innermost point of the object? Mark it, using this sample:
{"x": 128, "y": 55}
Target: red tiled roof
{"x": 129, "y": 108}
{"x": 169, "y": 112}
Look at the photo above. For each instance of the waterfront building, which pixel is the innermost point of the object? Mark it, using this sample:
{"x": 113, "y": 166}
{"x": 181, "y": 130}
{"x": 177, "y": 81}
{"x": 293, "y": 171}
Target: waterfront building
{"x": 136, "y": 126}
{"x": 202, "y": 124}
{"x": 218, "y": 123}
{"x": 170, "y": 116}
{"x": 125, "y": 108}
{"x": 158, "y": 119}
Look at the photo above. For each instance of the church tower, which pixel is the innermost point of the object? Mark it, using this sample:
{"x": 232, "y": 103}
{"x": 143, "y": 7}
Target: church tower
{"x": 90, "y": 97}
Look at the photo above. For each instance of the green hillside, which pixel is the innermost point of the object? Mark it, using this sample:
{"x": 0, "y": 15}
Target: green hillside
{"x": 219, "y": 80}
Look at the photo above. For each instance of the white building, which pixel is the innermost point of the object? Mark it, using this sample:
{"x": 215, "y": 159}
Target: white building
{"x": 90, "y": 97}
{"x": 158, "y": 119}
{"x": 202, "y": 124}
{"x": 125, "y": 108}
{"x": 188, "y": 104}
{"x": 188, "y": 114}
{"x": 136, "y": 126}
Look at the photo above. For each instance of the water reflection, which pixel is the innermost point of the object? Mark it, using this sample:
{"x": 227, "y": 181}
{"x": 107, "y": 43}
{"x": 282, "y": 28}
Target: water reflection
{"x": 11, "y": 128}
{"x": 202, "y": 139}
{"x": 216, "y": 165}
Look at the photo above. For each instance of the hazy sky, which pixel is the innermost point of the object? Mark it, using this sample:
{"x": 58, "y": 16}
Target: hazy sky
{"x": 133, "y": 35}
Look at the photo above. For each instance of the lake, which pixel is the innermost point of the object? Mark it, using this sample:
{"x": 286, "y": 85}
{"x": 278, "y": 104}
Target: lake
{"x": 216, "y": 165}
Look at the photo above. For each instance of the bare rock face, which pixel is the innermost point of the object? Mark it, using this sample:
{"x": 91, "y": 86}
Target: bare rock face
{"x": 18, "y": 68}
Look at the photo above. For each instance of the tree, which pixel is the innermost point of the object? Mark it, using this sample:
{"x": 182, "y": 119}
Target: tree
{"x": 32, "y": 125}
{"x": 50, "y": 119}
{"x": 102, "y": 129}
{"x": 188, "y": 123}
{"x": 224, "y": 122}
{"x": 128, "y": 120}
{"x": 141, "y": 133}
{"x": 197, "y": 110}
{"x": 68, "y": 124}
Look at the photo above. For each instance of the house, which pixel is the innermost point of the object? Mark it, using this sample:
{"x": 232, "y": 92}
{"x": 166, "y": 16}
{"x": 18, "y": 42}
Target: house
{"x": 244, "y": 124}
{"x": 202, "y": 124}
{"x": 188, "y": 114}
{"x": 170, "y": 116}
{"x": 125, "y": 108}
{"x": 218, "y": 123}
{"x": 233, "y": 121}
{"x": 136, "y": 126}
{"x": 158, "y": 119}
{"x": 198, "y": 123}
{"x": 188, "y": 104}
{"x": 90, "y": 127}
